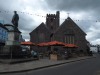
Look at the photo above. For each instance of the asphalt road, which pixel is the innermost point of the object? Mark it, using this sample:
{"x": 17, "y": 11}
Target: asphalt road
{"x": 83, "y": 67}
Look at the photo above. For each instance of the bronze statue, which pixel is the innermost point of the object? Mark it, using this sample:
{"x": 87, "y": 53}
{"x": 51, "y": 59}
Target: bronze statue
{"x": 15, "y": 19}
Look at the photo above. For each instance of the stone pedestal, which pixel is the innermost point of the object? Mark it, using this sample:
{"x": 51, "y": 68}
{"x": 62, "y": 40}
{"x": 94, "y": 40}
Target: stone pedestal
{"x": 55, "y": 57}
{"x": 12, "y": 49}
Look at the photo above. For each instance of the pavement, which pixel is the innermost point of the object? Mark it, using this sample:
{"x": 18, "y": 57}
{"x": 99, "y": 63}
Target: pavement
{"x": 37, "y": 64}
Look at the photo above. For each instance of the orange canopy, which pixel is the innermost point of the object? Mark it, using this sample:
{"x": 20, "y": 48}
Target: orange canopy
{"x": 56, "y": 43}
{"x": 27, "y": 43}
{"x": 43, "y": 44}
{"x": 52, "y": 43}
{"x": 71, "y": 45}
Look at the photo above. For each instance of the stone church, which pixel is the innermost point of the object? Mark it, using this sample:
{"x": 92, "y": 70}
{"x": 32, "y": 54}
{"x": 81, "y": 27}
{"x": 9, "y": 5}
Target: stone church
{"x": 68, "y": 32}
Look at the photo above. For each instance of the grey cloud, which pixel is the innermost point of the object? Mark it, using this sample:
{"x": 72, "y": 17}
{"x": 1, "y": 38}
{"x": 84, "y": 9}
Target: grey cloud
{"x": 75, "y": 5}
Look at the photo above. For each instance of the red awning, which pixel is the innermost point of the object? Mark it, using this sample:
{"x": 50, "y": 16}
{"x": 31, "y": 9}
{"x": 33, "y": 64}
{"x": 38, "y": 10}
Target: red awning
{"x": 43, "y": 44}
{"x": 56, "y": 43}
{"x": 52, "y": 43}
{"x": 28, "y": 43}
{"x": 71, "y": 46}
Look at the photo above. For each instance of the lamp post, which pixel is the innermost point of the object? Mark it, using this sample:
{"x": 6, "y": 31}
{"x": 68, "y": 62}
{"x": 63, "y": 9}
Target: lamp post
{"x": 11, "y": 52}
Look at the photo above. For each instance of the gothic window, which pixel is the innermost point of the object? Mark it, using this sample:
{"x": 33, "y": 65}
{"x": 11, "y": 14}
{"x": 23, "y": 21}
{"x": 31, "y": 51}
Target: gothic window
{"x": 69, "y": 36}
{"x": 70, "y": 39}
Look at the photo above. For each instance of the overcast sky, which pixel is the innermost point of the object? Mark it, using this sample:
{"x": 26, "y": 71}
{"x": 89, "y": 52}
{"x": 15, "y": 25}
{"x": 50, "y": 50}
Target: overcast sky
{"x": 86, "y": 11}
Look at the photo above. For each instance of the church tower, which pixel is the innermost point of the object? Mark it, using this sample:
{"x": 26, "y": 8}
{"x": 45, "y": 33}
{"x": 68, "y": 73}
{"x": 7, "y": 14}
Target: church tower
{"x": 52, "y": 21}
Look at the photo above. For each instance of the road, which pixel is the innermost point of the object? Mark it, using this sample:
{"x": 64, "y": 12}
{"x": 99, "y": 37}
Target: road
{"x": 83, "y": 67}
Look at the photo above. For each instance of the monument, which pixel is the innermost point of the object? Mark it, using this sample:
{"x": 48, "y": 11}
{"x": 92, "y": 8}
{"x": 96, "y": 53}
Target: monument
{"x": 15, "y": 19}
{"x": 12, "y": 48}
{"x": 13, "y": 31}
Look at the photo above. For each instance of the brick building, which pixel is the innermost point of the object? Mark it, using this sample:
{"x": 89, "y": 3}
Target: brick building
{"x": 68, "y": 32}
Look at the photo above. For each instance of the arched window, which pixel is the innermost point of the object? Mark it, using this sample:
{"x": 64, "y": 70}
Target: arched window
{"x": 70, "y": 39}
{"x": 69, "y": 36}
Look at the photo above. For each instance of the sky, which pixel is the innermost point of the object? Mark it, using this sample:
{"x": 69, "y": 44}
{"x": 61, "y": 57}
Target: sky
{"x": 31, "y": 13}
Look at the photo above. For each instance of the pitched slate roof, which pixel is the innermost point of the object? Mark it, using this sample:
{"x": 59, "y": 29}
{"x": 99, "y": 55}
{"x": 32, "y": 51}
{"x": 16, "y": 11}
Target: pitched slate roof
{"x": 67, "y": 22}
{"x": 41, "y": 25}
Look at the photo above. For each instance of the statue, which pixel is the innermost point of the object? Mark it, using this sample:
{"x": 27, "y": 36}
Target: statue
{"x": 15, "y": 19}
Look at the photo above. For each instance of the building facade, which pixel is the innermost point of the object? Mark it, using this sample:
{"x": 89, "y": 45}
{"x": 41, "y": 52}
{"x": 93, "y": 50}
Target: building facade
{"x": 3, "y": 34}
{"x": 95, "y": 48}
{"x": 68, "y": 32}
